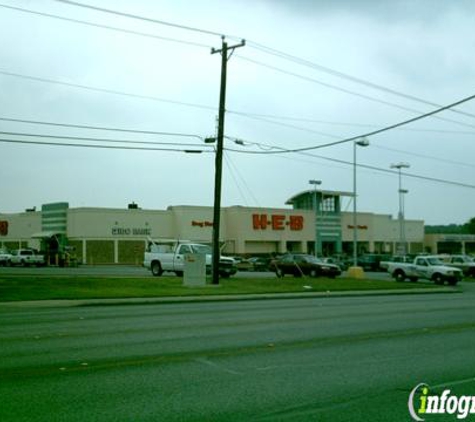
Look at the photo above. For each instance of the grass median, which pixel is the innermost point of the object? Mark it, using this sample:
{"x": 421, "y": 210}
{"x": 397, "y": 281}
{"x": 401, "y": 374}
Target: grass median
{"x": 21, "y": 288}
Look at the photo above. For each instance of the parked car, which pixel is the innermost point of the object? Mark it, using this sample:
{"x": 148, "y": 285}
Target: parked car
{"x": 343, "y": 265}
{"x": 383, "y": 265}
{"x": 259, "y": 263}
{"x": 428, "y": 268}
{"x": 370, "y": 262}
{"x": 464, "y": 262}
{"x": 5, "y": 257}
{"x": 27, "y": 257}
{"x": 300, "y": 265}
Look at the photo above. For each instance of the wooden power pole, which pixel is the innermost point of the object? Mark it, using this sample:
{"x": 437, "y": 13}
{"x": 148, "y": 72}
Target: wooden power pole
{"x": 224, "y": 50}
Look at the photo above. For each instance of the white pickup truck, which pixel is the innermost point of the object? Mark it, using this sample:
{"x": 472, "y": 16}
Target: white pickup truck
{"x": 425, "y": 267}
{"x": 160, "y": 258}
{"x": 26, "y": 257}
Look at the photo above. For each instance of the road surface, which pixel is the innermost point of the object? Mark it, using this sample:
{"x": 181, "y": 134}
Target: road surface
{"x": 326, "y": 359}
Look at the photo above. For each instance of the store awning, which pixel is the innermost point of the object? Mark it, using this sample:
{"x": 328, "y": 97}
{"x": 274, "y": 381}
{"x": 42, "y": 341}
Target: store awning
{"x": 45, "y": 235}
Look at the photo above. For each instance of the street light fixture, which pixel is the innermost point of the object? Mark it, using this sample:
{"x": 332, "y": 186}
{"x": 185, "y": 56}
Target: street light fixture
{"x": 363, "y": 142}
{"x": 315, "y": 183}
{"x": 401, "y": 192}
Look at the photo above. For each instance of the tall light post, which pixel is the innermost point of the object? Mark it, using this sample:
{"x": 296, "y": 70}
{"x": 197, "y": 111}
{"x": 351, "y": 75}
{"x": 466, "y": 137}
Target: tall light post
{"x": 361, "y": 143}
{"x": 315, "y": 183}
{"x": 401, "y": 192}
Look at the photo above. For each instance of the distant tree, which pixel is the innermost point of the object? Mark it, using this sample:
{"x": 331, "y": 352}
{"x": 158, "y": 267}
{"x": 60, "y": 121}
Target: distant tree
{"x": 469, "y": 227}
{"x": 447, "y": 229}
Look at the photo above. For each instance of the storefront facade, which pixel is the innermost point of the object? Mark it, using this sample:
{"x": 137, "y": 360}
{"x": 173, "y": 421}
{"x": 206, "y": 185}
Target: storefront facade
{"x": 119, "y": 236}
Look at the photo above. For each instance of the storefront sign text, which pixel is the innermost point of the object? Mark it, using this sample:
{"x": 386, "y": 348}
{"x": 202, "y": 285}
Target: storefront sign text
{"x": 195, "y": 223}
{"x": 122, "y": 231}
{"x": 277, "y": 222}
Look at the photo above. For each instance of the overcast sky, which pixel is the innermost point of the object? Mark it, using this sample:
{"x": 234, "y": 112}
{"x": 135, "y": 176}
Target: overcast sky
{"x": 357, "y": 66}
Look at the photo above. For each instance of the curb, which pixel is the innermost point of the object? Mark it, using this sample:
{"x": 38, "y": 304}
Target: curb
{"x": 220, "y": 298}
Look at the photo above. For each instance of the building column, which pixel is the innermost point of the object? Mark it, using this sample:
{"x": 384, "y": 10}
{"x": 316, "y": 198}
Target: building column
{"x": 116, "y": 251}
{"x": 282, "y": 246}
{"x": 84, "y": 252}
{"x": 371, "y": 246}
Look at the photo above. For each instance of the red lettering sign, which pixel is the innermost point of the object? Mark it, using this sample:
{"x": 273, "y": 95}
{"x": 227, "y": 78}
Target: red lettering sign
{"x": 277, "y": 222}
{"x": 3, "y": 228}
{"x": 296, "y": 222}
{"x": 259, "y": 221}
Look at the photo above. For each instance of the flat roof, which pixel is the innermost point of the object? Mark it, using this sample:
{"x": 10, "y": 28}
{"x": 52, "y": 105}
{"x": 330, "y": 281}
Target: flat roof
{"x": 323, "y": 192}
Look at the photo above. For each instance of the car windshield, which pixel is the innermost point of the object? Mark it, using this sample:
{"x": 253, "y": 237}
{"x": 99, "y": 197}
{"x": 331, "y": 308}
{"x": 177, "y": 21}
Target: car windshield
{"x": 435, "y": 261}
{"x": 201, "y": 249}
{"x": 312, "y": 259}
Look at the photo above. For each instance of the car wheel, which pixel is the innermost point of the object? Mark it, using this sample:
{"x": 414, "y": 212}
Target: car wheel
{"x": 438, "y": 279}
{"x": 399, "y": 275}
{"x": 156, "y": 269}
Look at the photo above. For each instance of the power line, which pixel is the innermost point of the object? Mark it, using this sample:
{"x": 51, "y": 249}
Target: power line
{"x": 271, "y": 51}
{"x": 102, "y": 128}
{"x": 269, "y": 118}
{"x": 368, "y": 134}
{"x": 89, "y": 139}
{"x": 333, "y": 72}
{"x": 105, "y": 90}
{"x": 112, "y": 28}
{"x": 74, "y": 145}
{"x": 349, "y": 92}
{"x": 429, "y": 157}
{"x": 142, "y": 18}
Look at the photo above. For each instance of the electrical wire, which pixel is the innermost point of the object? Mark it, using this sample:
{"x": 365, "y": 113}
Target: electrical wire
{"x": 116, "y": 147}
{"x": 271, "y": 118}
{"x": 102, "y": 128}
{"x": 425, "y": 156}
{"x": 364, "y": 135}
{"x": 333, "y": 72}
{"x": 270, "y": 51}
{"x": 112, "y": 28}
{"x": 89, "y": 139}
{"x": 141, "y": 18}
{"x": 349, "y": 92}
{"x": 106, "y": 91}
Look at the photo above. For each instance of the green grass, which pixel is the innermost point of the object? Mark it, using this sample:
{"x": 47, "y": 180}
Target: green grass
{"x": 17, "y": 288}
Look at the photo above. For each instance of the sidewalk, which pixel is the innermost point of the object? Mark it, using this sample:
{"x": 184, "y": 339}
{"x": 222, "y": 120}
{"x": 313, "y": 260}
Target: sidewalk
{"x": 219, "y": 298}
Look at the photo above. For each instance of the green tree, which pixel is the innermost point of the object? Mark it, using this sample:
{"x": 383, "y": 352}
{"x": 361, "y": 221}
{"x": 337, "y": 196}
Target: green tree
{"x": 469, "y": 227}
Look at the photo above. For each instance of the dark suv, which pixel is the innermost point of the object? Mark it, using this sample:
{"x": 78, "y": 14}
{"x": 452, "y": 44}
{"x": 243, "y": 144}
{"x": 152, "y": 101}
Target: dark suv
{"x": 300, "y": 265}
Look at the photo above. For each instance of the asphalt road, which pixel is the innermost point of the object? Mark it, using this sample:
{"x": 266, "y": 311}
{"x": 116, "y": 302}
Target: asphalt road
{"x": 329, "y": 359}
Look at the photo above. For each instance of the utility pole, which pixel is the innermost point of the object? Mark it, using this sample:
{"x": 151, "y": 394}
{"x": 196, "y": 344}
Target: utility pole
{"x": 225, "y": 49}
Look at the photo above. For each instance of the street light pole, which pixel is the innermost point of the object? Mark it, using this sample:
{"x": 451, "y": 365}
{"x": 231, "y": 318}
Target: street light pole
{"x": 362, "y": 143}
{"x": 401, "y": 192}
{"x": 315, "y": 183}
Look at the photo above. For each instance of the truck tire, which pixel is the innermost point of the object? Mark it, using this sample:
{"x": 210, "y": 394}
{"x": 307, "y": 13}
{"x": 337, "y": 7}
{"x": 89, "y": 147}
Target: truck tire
{"x": 156, "y": 268}
{"x": 438, "y": 278}
{"x": 399, "y": 275}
